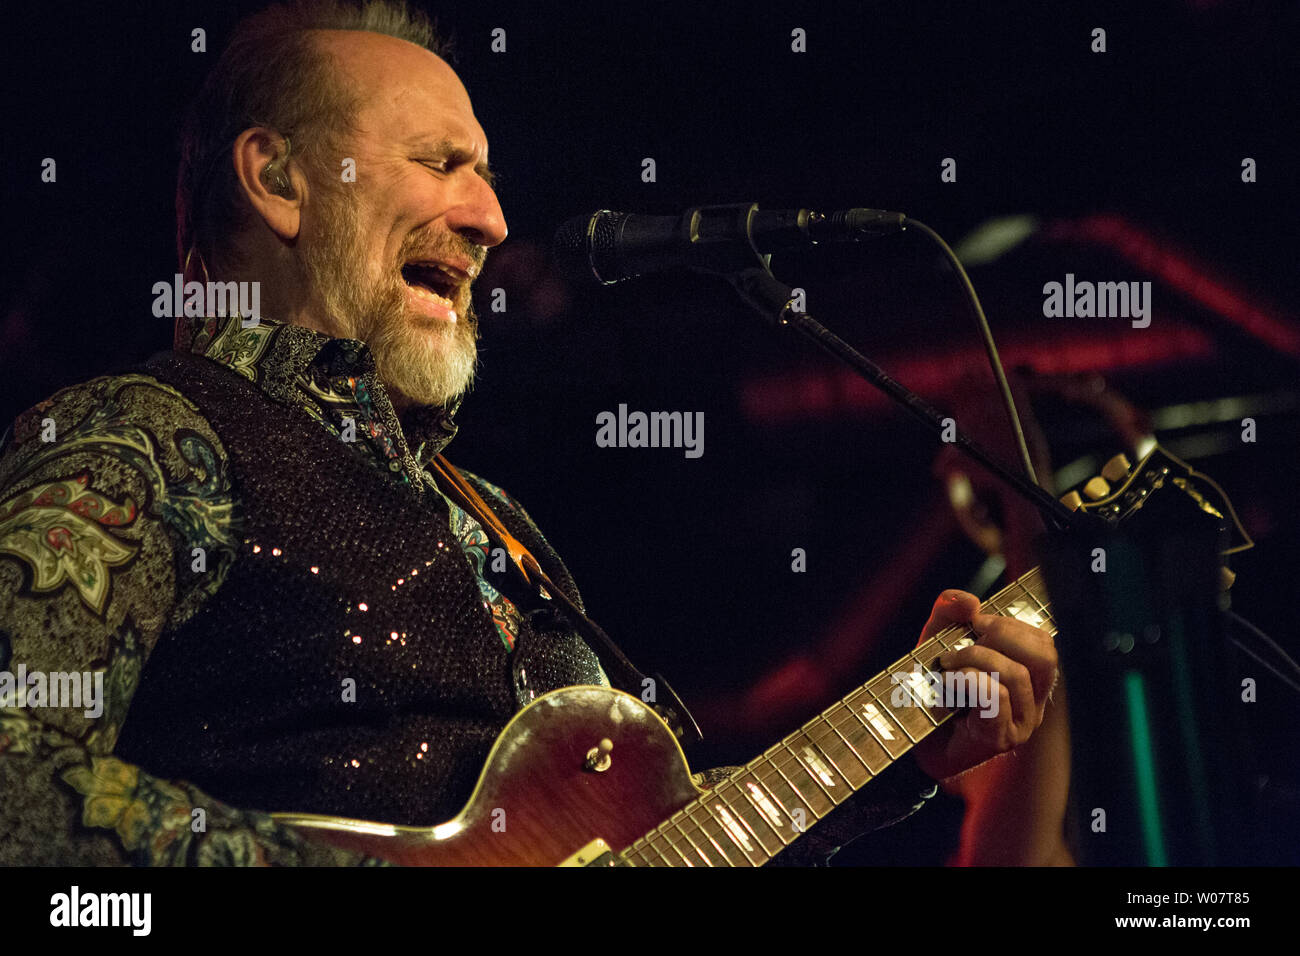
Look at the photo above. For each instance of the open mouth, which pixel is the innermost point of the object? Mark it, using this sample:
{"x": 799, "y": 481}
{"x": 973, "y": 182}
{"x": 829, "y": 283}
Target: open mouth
{"x": 434, "y": 282}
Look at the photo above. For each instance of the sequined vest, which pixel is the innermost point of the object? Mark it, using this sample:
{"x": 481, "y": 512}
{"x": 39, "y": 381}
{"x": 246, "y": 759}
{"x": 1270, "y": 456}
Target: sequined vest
{"x": 347, "y": 664}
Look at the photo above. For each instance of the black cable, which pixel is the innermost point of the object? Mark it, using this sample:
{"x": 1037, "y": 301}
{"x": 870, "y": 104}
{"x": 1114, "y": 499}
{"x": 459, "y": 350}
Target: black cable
{"x": 1268, "y": 641}
{"x": 987, "y": 336}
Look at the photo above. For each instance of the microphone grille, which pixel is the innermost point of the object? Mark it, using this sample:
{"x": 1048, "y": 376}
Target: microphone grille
{"x": 571, "y": 239}
{"x": 586, "y": 246}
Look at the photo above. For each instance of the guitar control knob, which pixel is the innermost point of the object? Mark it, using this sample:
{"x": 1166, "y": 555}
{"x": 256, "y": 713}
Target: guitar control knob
{"x": 598, "y": 759}
{"x": 1072, "y": 500}
{"x": 1096, "y": 488}
{"x": 1116, "y": 469}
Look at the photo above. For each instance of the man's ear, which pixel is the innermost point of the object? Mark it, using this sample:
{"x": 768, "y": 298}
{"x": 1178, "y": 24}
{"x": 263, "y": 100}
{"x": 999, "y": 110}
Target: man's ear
{"x": 270, "y": 179}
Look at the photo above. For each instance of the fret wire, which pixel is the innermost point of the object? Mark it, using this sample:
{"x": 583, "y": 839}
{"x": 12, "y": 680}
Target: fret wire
{"x": 1038, "y": 598}
{"x": 638, "y": 848}
{"x": 667, "y": 858}
{"x": 658, "y": 837}
{"x": 872, "y": 730}
{"x": 871, "y": 744}
{"x": 965, "y": 633}
{"x": 892, "y": 722}
{"x": 848, "y": 743}
{"x": 676, "y": 849}
{"x": 716, "y": 846}
{"x": 1022, "y": 583}
{"x": 795, "y": 829}
{"x": 898, "y": 664}
{"x": 886, "y": 709}
{"x": 836, "y": 767}
{"x": 1042, "y": 606}
{"x": 936, "y": 648}
{"x": 648, "y": 847}
{"x": 705, "y": 834}
{"x": 662, "y": 830}
{"x": 759, "y": 810}
{"x": 662, "y": 856}
{"x": 722, "y": 853}
{"x": 735, "y": 815}
{"x": 667, "y": 828}
{"x": 1017, "y": 583}
{"x": 812, "y": 776}
{"x": 1007, "y": 593}
{"x": 1025, "y": 593}
{"x": 723, "y": 828}
{"x": 802, "y": 799}
{"x": 1046, "y": 621}
{"x": 822, "y": 716}
{"x": 853, "y": 750}
{"x": 1000, "y": 601}
{"x": 950, "y": 636}
{"x": 686, "y": 833}
{"x": 907, "y": 688}
{"x": 649, "y": 838}
{"x": 900, "y": 713}
{"x": 924, "y": 707}
{"x": 771, "y": 795}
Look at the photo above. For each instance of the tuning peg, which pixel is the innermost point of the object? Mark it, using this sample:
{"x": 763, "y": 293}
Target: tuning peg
{"x": 1096, "y": 488}
{"x": 1072, "y": 500}
{"x": 1116, "y": 469}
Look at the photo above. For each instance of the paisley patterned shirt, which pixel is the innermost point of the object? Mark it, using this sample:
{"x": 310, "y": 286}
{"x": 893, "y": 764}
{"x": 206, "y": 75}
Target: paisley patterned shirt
{"x": 98, "y": 487}
{"x": 112, "y": 494}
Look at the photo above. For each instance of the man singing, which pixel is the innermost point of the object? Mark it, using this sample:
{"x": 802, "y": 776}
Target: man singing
{"x": 253, "y": 543}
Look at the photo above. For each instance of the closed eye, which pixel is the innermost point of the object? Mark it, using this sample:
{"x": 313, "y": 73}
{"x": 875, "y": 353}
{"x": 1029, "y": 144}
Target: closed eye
{"x": 445, "y": 166}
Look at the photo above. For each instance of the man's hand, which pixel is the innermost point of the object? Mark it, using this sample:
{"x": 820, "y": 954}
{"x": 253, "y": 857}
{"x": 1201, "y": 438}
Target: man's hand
{"x": 1023, "y": 660}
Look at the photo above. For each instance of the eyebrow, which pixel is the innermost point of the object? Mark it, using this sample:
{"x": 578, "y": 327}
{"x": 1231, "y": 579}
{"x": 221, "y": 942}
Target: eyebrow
{"x": 454, "y": 153}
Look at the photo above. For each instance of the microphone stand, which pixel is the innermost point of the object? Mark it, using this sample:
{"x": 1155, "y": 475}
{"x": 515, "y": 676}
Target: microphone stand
{"x": 771, "y": 298}
{"x": 1177, "y": 799}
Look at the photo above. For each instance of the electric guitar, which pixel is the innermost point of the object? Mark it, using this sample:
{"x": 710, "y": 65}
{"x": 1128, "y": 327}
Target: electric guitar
{"x": 589, "y": 776}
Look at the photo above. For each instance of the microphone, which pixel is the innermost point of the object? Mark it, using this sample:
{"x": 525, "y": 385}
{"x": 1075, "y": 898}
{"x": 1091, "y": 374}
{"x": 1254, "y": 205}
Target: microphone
{"x": 613, "y": 246}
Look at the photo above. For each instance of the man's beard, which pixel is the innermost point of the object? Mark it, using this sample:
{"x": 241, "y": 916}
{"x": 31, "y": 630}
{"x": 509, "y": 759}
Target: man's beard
{"x": 421, "y": 361}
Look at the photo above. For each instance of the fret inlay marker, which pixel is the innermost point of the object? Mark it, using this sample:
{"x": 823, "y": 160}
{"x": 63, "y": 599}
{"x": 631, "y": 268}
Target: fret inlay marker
{"x": 818, "y": 767}
{"x": 1025, "y": 613}
{"x": 921, "y": 687}
{"x": 765, "y": 804}
{"x": 738, "y": 833}
{"x": 964, "y": 642}
{"x": 878, "y": 721}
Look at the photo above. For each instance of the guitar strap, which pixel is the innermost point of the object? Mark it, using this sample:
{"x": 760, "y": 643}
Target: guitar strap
{"x": 663, "y": 699}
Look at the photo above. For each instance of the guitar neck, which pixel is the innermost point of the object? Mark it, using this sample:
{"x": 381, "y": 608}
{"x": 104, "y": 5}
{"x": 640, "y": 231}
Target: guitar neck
{"x": 777, "y": 797}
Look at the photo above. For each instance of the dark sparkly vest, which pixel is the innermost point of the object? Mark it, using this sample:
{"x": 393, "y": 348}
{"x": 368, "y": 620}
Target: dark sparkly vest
{"x": 347, "y": 665}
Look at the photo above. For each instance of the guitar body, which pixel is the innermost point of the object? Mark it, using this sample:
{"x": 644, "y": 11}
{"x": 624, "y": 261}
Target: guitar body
{"x": 537, "y": 803}
{"x": 591, "y": 776}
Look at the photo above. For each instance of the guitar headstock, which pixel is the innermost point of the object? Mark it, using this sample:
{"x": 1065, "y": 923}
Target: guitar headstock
{"x": 1122, "y": 491}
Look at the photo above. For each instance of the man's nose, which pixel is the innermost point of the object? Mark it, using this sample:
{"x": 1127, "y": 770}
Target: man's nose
{"x": 477, "y": 215}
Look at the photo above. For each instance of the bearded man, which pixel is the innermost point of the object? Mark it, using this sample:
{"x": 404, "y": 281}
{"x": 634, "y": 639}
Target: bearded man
{"x": 253, "y": 539}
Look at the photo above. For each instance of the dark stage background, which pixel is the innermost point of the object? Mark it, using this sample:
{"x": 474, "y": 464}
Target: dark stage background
{"x": 1129, "y": 162}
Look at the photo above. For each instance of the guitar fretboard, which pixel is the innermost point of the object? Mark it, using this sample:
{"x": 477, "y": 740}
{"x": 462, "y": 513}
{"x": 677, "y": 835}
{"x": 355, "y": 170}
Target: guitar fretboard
{"x": 777, "y": 797}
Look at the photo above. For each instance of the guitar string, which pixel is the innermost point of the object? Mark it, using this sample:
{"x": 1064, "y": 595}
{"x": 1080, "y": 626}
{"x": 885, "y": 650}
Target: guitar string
{"x": 999, "y": 602}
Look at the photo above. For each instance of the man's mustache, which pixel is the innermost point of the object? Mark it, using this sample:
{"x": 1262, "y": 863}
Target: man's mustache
{"x": 449, "y": 247}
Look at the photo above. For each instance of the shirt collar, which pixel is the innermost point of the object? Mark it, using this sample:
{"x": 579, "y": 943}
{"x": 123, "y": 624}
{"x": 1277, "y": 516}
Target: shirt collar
{"x": 331, "y": 378}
